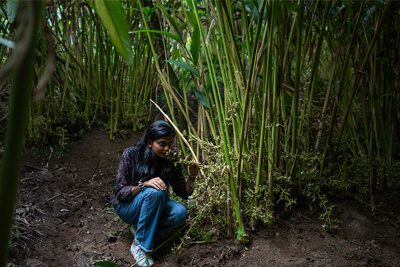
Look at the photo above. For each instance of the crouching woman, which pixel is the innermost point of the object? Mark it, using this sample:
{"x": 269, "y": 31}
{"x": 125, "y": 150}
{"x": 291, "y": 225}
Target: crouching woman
{"x": 141, "y": 197}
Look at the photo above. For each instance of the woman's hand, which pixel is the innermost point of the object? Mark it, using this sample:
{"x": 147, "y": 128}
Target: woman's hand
{"x": 194, "y": 169}
{"x": 156, "y": 183}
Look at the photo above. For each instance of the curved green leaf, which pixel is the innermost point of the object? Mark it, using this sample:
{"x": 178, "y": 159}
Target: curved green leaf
{"x": 195, "y": 46}
{"x": 201, "y": 97}
{"x": 113, "y": 17}
{"x": 293, "y": 7}
{"x": 170, "y": 19}
{"x": 12, "y": 10}
{"x": 183, "y": 65}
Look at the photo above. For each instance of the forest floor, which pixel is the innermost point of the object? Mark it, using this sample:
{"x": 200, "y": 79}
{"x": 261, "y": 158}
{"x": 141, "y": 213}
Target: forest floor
{"x": 64, "y": 218}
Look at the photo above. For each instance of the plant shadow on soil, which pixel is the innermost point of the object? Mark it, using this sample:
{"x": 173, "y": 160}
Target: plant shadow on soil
{"x": 64, "y": 218}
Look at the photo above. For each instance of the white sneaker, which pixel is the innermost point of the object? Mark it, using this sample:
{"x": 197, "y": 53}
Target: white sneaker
{"x": 142, "y": 259}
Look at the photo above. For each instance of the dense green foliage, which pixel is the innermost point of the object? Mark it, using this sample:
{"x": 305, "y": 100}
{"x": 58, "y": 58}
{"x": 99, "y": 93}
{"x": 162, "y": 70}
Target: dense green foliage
{"x": 282, "y": 101}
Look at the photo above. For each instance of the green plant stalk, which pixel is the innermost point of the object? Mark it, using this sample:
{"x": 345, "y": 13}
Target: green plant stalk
{"x": 273, "y": 136}
{"x": 224, "y": 11}
{"x": 118, "y": 106}
{"x": 88, "y": 88}
{"x": 262, "y": 130}
{"x": 340, "y": 87}
{"x": 314, "y": 73}
{"x": 16, "y": 126}
{"x": 266, "y": 96}
{"x": 166, "y": 86}
{"x": 112, "y": 95}
{"x": 215, "y": 89}
{"x": 295, "y": 104}
{"x": 249, "y": 88}
{"x": 231, "y": 182}
{"x": 287, "y": 121}
{"x": 245, "y": 25}
{"x": 229, "y": 80}
{"x": 214, "y": 86}
{"x": 326, "y": 101}
{"x": 278, "y": 85}
{"x": 81, "y": 56}
{"x": 358, "y": 73}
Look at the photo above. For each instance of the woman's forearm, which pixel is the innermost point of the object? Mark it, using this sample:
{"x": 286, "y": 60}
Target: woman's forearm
{"x": 135, "y": 190}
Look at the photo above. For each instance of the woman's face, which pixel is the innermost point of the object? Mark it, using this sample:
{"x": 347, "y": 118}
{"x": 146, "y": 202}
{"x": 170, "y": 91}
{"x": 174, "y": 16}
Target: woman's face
{"x": 161, "y": 146}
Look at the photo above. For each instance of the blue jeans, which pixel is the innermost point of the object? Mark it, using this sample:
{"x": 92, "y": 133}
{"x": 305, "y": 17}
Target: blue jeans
{"x": 153, "y": 213}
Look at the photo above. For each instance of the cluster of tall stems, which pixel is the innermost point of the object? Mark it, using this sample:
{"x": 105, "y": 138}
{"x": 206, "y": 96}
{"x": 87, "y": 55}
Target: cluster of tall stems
{"x": 287, "y": 90}
{"x": 278, "y": 79}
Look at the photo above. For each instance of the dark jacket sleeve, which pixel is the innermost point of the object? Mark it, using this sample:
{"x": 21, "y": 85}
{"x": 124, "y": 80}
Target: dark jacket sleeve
{"x": 125, "y": 179}
{"x": 178, "y": 182}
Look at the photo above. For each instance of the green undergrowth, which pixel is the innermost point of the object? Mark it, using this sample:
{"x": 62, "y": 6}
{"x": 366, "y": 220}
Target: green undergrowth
{"x": 346, "y": 175}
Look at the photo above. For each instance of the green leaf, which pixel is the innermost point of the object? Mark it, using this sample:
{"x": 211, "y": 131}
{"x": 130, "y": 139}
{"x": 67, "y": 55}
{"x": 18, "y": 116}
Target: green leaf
{"x": 208, "y": 85}
{"x": 106, "y": 264}
{"x": 293, "y": 7}
{"x": 170, "y": 35}
{"x": 192, "y": 5}
{"x": 201, "y": 97}
{"x": 113, "y": 17}
{"x": 183, "y": 65}
{"x": 8, "y": 43}
{"x": 192, "y": 18}
{"x": 12, "y": 10}
{"x": 170, "y": 19}
{"x": 195, "y": 46}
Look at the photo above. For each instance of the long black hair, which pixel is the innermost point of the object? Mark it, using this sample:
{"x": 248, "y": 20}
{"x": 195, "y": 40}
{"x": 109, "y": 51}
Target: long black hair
{"x": 149, "y": 165}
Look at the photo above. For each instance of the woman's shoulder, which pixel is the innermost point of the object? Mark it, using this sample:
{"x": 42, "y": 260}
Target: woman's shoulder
{"x": 131, "y": 151}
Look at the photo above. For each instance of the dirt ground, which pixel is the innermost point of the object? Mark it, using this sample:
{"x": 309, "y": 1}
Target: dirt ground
{"x": 64, "y": 218}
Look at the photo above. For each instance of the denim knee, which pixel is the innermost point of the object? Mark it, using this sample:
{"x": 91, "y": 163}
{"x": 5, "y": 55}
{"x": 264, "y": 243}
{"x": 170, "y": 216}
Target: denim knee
{"x": 154, "y": 194}
{"x": 181, "y": 215}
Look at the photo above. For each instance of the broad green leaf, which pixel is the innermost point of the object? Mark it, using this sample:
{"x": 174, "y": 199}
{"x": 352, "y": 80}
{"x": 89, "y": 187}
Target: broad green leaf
{"x": 170, "y": 35}
{"x": 8, "y": 43}
{"x": 192, "y": 5}
{"x": 195, "y": 46}
{"x": 106, "y": 264}
{"x": 183, "y": 65}
{"x": 292, "y": 7}
{"x": 146, "y": 10}
{"x": 242, "y": 44}
{"x": 12, "y": 10}
{"x": 192, "y": 18}
{"x": 369, "y": 13}
{"x": 113, "y": 17}
{"x": 201, "y": 97}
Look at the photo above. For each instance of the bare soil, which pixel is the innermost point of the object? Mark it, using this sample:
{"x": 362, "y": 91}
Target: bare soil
{"x": 64, "y": 218}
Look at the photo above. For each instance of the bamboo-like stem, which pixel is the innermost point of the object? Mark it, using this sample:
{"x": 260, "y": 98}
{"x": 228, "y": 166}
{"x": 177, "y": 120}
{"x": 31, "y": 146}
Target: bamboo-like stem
{"x": 295, "y": 103}
{"x": 30, "y": 13}
{"x": 358, "y": 73}
{"x": 249, "y": 88}
{"x": 340, "y": 86}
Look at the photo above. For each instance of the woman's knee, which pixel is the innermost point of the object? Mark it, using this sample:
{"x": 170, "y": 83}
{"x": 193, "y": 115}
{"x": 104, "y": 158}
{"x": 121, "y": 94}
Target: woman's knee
{"x": 155, "y": 194}
{"x": 181, "y": 214}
